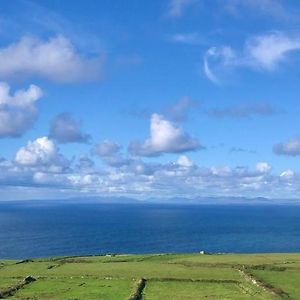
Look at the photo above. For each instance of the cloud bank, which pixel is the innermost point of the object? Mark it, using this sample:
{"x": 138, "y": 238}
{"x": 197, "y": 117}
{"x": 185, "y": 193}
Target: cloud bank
{"x": 40, "y": 165}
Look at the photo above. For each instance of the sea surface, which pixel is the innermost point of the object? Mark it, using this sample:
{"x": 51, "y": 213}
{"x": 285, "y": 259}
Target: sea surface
{"x": 49, "y": 228}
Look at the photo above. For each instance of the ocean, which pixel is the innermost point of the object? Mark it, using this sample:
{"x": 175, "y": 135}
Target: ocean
{"x": 50, "y": 228}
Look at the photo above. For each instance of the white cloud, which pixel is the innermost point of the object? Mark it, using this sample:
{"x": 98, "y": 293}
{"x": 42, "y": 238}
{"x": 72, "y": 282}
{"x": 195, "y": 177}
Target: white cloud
{"x": 287, "y": 175}
{"x": 221, "y": 171}
{"x": 263, "y": 167}
{"x": 65, "y": 129}
{"x": 18, "y": 112}
{"x": 40, "y": 153}
{"x": 55, "y": 59}
{"x": 291, "y": 147}
{"x": 165, "y": 137}
{"x": 263, "y": 52}
{"x": 184, "y": 161}
{"x": 42, "y": 150}
{"x": 267, "y": 51}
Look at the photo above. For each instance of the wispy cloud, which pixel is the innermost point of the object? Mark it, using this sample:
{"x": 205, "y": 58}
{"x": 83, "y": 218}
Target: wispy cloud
{"x": 267, "y": 51}
{"x": 244, "y": 111}
{"x": 274, "y": 8}
{"x": 290, "y": 148}
{"x": 241, "y": 150}
{"x": 38, "y": 19}
{"x": 260, "y": 53}
{"x": 177, "y": 7}
{"x": 279, "y": 10}
{"x": 179, "y": 111}
{"x": 188, "y": 38}
{"x": 206, "y": 67}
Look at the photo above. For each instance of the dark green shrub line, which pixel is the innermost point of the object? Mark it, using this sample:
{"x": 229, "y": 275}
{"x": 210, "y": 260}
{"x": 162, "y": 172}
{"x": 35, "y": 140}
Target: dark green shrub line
{"x": 138, "y": 291}
{"x": 195, "y": 280}
{"x": 63, "y": 277}
{"x": 154, "y": 257}
{"x": 130, "y": 259}
{"x": 52, "y": 267}
{"x": 58, "y": 258}
{"x": 24, "y": 261}
{"x": 209, "y": 265}
{"x": 8, "y": 292}
{"x": 266, "y": 268}
{"x": 73, "y": 260}
{"x": 118, "y": 261}
{"x": 264, "y": 285}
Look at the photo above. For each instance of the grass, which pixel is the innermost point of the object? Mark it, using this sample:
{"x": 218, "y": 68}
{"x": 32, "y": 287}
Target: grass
{"x": 288, "y": 281}
{"x": 169, "y": 276}
{"x": 76, "y": 288}
{"x": 7, "y": 282}
{"x": 173, "y": 290}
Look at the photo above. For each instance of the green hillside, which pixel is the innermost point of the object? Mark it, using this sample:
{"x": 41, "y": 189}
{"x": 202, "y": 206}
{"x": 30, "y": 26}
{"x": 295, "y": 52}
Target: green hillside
{"x": 160, "y": 276}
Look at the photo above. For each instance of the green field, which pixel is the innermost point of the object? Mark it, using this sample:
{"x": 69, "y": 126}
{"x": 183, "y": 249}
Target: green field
{"x": 167, "y": 276}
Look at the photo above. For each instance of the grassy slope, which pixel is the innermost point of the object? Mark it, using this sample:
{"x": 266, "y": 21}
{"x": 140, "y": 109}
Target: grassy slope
{"x": 189, "y": 290}
{"x": 169, "y": 276}
{"x": 288, "y": 280}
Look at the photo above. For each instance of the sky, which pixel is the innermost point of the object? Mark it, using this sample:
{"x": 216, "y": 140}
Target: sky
{"x": 143, "y": 99}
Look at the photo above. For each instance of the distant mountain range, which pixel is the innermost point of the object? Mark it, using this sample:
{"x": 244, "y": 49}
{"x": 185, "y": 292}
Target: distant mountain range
{"x": 168, "y": 201}
{"x": 186, "y": 201}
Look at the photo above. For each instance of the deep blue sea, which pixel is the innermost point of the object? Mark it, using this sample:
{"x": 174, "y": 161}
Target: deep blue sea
{"x": 48, "y": 228}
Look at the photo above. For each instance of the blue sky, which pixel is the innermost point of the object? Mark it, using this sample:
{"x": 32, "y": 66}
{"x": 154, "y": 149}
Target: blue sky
{"x": 188, "y": 98}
